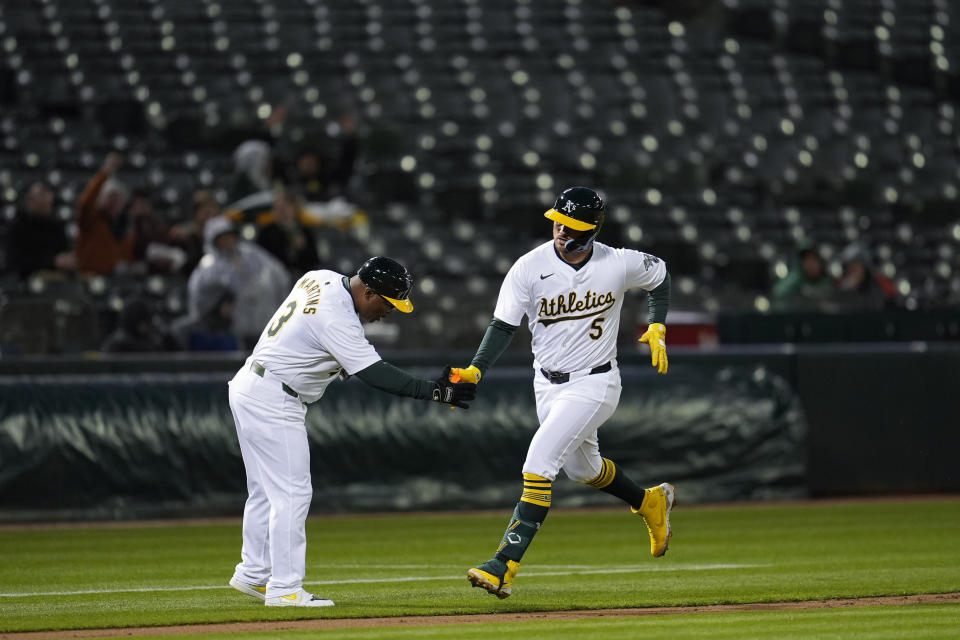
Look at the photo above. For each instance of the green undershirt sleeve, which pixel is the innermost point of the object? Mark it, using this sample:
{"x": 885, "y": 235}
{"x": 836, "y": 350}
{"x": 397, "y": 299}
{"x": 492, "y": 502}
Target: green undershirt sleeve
{"x": 495, "y": 341}
{"x": 386, "y": 377}
{"x": 658, "y": 301}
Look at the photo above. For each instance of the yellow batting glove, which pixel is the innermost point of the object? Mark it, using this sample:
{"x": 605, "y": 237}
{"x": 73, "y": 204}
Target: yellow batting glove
{"x": 469, "y": 375}
{"x": 655, "y": 336}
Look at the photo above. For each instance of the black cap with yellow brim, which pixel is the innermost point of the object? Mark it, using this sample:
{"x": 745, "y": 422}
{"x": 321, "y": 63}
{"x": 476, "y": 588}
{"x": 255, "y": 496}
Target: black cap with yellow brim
{"x": 389, "y": 279}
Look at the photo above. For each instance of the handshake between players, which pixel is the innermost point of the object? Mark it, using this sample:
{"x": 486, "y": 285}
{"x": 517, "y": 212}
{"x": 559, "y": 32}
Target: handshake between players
{"x": 455, "y": 389}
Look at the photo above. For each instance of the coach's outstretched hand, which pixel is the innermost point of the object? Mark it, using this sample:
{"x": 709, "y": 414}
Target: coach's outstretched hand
{"x": 655, "y": 336}
{"x": 456, "y": 394}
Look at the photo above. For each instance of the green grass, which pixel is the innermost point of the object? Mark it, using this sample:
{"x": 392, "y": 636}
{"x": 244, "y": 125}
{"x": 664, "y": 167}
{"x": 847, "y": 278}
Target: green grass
{"x": 415, "y": 565}
{"x": 934, "y": 622}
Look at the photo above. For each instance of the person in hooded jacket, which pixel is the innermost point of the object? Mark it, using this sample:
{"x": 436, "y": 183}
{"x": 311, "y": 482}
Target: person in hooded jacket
{"x": 807, "y": 284}
{"x": 258, "y": 280}
{"x": 861, "y": 286}
{"x": 253, "y": 169}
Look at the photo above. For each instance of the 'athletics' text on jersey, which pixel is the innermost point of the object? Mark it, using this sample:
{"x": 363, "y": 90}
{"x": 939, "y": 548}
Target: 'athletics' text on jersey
{"x": 574, "y": 314}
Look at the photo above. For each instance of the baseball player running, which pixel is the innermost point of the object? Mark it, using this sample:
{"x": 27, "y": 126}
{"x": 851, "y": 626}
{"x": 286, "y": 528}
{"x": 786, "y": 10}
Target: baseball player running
{"x": 314, "y": 336}
{"x": 571, "y": 290}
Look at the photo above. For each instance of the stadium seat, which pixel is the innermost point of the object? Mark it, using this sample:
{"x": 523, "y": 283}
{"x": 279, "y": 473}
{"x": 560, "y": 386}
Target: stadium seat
{"x": 482, "y": 111}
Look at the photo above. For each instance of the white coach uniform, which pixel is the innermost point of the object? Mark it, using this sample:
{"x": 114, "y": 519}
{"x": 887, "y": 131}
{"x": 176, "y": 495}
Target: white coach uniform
{"x": 314, "y": 334}
{"x": 574, "y": 318}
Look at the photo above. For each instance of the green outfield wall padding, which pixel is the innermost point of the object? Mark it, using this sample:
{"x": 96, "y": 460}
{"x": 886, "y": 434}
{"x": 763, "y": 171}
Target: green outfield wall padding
{"x": 161, "y": 444}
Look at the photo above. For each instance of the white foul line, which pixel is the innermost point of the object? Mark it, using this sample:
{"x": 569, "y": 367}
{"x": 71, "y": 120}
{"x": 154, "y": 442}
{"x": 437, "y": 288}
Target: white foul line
{"x": 527, "y": 574}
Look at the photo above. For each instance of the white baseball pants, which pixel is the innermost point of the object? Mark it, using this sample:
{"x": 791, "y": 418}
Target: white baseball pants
{"x": 273, "y": 441}
{"x": 570, "y": 414}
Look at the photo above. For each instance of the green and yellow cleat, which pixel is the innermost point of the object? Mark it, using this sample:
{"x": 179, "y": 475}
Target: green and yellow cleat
{"x": 655, "y": 512}
{"x": 495, "y": 576}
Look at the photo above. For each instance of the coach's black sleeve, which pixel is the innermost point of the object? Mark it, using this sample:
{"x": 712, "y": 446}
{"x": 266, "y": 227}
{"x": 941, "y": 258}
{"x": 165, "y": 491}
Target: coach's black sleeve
{"x": 386, "y": 377}
{"x": 658, "y": 301}
{"x": 495, "y": 341}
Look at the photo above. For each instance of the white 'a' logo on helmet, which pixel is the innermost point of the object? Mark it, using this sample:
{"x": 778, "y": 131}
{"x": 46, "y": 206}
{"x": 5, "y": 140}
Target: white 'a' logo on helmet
{"x": 569, "y": 206}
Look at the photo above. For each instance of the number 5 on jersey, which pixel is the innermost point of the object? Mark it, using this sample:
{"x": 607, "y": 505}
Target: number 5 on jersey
{"x": 596, "y": 328}
{"x": 282, "y": 320}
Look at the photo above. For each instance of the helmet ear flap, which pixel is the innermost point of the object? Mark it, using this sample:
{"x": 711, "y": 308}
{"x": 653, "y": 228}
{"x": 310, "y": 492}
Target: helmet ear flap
{"x": 584, "y": 243}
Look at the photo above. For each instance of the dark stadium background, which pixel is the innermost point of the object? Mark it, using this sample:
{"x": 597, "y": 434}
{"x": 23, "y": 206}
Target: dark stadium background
{"x": 728, "y": 136}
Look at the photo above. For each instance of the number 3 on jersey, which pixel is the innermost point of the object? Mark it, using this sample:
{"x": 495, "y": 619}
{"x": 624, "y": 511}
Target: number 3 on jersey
{"x": 596, "y": 330}
{"x": 282, "y": 320}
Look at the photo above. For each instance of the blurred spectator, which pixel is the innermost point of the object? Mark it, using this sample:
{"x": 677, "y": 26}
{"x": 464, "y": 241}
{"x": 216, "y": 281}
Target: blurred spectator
{"x": 256, "y": 170}
{"x": 860, "y": 286}
{"x": 806, "y": 284}
{"x": 139, "y": 330}
{"x": 287, "y": 238}
{"x": 259, "y": 282}
{"x": 320, "y": 177}
{"x": 153, "y": 243}
{"x": 104, "y": 238}
{"x": 36, "y": 240}
{"x": 211, "y": 330}
{"x": 255, "y": 178}
{"x": 189, "y": 235}
{"x": 253, "y": 169}
{"x": 320, "y": 181}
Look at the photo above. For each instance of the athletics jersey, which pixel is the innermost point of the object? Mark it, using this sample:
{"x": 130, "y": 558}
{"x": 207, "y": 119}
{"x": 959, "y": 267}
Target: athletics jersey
{"x": 574, "y": 315}
{"x": 315, "y": 332}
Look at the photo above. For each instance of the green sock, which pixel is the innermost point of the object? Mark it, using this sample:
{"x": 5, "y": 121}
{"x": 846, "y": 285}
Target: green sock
{"x": 615, "y": 482}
